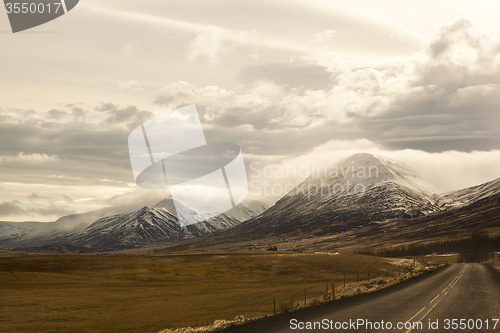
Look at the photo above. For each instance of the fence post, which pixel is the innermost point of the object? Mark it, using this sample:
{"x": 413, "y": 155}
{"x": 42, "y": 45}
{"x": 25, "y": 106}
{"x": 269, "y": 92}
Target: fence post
{"x": 344, "y": 279}
{"x": 333, "y": 290}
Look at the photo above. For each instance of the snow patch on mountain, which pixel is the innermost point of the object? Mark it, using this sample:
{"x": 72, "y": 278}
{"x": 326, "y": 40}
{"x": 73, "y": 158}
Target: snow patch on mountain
{"x": 467, "y": 196}
{"x": 247, "y": 210}
{"x": 187, "y": 215}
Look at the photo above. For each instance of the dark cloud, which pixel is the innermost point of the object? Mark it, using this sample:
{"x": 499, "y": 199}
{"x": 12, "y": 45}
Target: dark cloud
{"x": 10, "y": 208}
{"x": 107, "y": 107}
{"x": 78, "y": 114}
{"x": 34, "y": 196}
{"x": 13, "y": 208}
{"x": 67, "y": 198}
{"x": 86, "y": 154}
{"x": 130, "y": 114}
{"x": 56, "y": 114}
{"x": 259, "y": 118}
{"x": 165, "y": 99}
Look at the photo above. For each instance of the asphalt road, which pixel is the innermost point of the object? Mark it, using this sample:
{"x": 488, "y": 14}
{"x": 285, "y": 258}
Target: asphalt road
{"x": 456, "y": 298}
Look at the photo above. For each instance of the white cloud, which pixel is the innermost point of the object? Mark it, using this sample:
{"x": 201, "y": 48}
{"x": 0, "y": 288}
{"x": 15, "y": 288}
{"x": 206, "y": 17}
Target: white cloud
{"x": 452, "y": 170}
{"x": 210, "y": 39}
{"x": 131, "y": 86}
{"x": 324, "y": 36}
{"x": 47, "y": 201}
{"x": 183, "y": 92}
{"x": 447, "y": 171}
{"x": 33, "y": 159}
{"x": 216, "y": 41}
{"x": 129, "y": 49}
{"x": 136, "y": 197}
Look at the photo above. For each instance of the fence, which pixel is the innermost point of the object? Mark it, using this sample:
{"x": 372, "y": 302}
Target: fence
{"x": 345, "y": 284}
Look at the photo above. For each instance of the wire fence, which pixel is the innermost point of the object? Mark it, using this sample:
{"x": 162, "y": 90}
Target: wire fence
{"x": 345, "y": 284}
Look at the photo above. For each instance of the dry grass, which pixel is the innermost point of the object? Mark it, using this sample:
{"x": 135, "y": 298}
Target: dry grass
{"x": 347, "y": 290}
{"x": 147, "y": 294}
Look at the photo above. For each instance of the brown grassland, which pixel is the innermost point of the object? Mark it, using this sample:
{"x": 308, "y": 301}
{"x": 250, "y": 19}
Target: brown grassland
{"x": 111, "y": 293}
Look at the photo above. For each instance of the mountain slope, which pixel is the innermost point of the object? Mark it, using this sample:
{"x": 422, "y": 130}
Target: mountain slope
{"x": 359, "y": 190}
{"x": 124, "y": 230}
{"x": 469, "y": 195}
{"x": 363, "y": 198}
{"x": 10, "y": 230}
{"x": 247, "y": 210}
{"x": 394, "y": 196}
{"x": 15, "y": 233}
{"x": 149, "y": 224}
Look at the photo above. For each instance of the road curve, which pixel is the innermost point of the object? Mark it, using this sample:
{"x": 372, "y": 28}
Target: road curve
{"x": 456, "y": 298}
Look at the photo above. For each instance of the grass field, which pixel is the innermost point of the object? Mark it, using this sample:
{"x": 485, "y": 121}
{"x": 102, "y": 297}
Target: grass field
{"x": 149, "y": 293}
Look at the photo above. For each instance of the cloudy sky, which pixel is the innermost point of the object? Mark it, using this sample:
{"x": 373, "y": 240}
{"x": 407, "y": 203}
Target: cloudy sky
{"x": 292, "y": 82}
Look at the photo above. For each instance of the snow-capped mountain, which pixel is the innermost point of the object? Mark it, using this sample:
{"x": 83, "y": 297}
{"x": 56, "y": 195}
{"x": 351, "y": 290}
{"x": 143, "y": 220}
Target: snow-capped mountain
{"x": 188, "y": 216}
{"x": 22, "y": 231}
{"x": 362, "y": 200}
{"x": 371, "y": 187}
{"x": 149, "y": 224}
{"x": 361, "y": 190}
{"x": 247, "y": 210}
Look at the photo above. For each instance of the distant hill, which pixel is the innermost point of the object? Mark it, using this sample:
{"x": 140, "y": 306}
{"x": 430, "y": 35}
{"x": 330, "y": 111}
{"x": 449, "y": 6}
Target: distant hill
{"x": 103, "y": 231}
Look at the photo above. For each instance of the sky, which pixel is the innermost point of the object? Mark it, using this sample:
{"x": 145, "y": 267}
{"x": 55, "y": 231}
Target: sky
{"x": 293, "y": 83}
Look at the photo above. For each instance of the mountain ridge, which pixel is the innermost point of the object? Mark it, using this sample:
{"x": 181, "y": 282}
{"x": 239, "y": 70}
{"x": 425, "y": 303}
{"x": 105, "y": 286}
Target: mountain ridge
{"x": 394, "y": 196}
{"x": 148, "y": 224}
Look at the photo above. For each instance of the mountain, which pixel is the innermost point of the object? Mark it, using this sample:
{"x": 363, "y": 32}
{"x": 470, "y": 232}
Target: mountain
{"x": 449, "y": 225}
{"x": 16, "y": 232}
{"x": 247, "y": 210}
{"x": 362, "y": 199}
{"x": 22, "y": 229}
{"x": 358, "y": 190}
{"x": 149, "y": 224}
{"x": 124, "y": 230}
{"x": 188, "y": 216}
